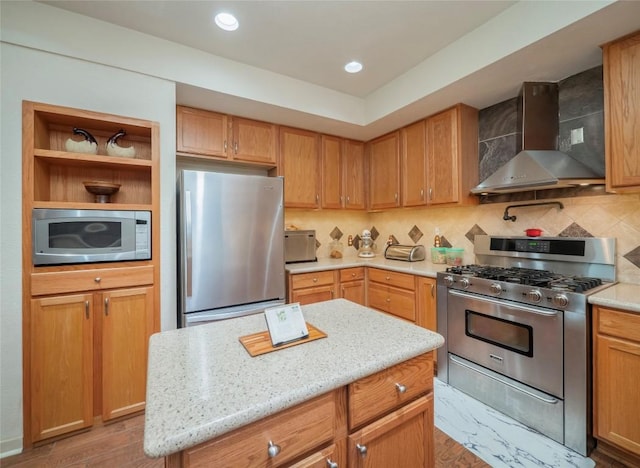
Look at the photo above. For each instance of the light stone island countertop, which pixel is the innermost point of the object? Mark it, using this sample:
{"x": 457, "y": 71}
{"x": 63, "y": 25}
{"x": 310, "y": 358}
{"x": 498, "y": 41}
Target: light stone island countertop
{"x": 201, "y": 382}
{"x": 421, "y": 268}
{"x": 620, "y": 296}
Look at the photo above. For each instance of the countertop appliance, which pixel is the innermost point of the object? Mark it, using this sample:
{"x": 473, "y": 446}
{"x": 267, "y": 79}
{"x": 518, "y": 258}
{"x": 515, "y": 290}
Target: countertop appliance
{"x": 517, "y": 329}
{"x": 62, "y": 236}
{"x": 300, "y": 246}
{"x": 230, "y": 245}
{"x": 406, "y": 253}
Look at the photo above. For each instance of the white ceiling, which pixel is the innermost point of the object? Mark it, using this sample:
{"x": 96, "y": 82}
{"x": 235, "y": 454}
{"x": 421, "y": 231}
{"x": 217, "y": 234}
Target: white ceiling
{"x": 312, "y": 40}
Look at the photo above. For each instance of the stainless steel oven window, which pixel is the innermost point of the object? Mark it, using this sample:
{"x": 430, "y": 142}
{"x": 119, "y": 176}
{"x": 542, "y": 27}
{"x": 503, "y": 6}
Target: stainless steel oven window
{"x": 506, "y": 334}
{"x": 85, "y": 234}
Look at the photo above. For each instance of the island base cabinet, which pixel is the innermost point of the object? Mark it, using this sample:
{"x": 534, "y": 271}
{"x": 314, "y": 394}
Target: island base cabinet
{"x": 402, "y": 438}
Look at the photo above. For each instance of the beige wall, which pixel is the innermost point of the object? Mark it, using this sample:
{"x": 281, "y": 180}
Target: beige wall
{"x": 601, "y": 216}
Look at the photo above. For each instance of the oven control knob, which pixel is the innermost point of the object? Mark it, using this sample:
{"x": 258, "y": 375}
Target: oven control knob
{"x": 534, "y": 295}
{"x": 465, "y": 282}
{"x": 448, "y": 280}
{"x": 495, "y": 289}
{"x": 560, "y": 300}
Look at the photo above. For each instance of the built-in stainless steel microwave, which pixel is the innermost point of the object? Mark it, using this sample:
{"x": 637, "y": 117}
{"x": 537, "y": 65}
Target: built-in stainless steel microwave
{"x": 88, "y": 236}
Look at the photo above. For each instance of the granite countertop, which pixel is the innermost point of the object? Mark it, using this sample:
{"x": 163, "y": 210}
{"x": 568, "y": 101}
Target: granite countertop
{"x": 620, "y": 296}
{"x": 201, "y": 382}
{"x": 422, "y": 268}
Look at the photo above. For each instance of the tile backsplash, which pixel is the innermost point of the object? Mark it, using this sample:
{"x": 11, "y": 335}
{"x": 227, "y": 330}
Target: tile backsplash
{"x": 599, "y": 216}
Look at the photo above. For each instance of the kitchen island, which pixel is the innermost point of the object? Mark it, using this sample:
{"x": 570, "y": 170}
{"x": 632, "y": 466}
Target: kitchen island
{"x": 308, "y": 403}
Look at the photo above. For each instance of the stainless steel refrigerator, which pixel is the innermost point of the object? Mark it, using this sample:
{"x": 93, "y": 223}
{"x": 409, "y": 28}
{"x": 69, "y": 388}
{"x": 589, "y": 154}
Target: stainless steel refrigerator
{"x": 230, "y": 245}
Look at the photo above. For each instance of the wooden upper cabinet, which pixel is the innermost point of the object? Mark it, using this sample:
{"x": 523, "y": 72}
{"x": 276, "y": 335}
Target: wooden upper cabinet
{"x": 254, "y": 141}
{"x": 621, "y": 68}
{"x": 353, "y": 174}
{"x": 384, "y": 171}
{"x": 414, "y": 159}
{"x": 452, "y": 156}
{"x": 332, "y": 186}
{"x": 300, "y": 166}
{"x": 201, "y": 132}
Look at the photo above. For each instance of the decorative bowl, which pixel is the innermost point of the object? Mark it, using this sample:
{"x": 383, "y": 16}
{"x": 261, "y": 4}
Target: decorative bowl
{"x": 101, "y": 190}
{"x": 533, "y": 232}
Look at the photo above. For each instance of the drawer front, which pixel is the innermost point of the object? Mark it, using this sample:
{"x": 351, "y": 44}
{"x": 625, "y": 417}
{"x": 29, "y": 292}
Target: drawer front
{"x": 351, "y": 274}
{"x": 295, "y": 431}
{"x": 398, "y": 302}
{"x": 619, "y": 323}
{"x": 309, "y": 280}
{"x": 57, "y": 282}
{"x": 392, "y": 278}
{"x": 377, "y": 394}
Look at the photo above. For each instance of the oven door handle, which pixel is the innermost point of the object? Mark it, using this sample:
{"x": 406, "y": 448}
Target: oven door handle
{"x": 551, "y": 401}
{"x": 528, "y": 308}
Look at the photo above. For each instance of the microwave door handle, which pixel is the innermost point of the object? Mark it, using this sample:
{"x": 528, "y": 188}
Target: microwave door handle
{"x": 188, "y": 243}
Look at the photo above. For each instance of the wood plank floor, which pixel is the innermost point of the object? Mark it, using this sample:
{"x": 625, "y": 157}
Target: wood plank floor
{"x": 120, "y": 445}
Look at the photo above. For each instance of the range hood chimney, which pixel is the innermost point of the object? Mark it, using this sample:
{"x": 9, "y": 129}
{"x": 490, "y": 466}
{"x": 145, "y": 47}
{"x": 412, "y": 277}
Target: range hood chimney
{"x": 538, "y": 164}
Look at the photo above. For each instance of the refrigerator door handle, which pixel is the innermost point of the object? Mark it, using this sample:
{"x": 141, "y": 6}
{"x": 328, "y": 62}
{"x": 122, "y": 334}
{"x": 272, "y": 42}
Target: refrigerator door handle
{"x": 188, "y": 243}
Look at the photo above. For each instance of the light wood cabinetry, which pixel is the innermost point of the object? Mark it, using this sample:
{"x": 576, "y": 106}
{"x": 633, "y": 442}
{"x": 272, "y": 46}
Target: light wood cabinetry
{"x": 396, "y": 405}
{"x": 86, "y": 326}
{"x": 342, "y": 173}
{"x": 616, "y": 381}
{"x": 621, "y": 69}
{"x": 353, "y": 175}
{"x": 307, "y": 288}
{"x": 300, "y": 166}
{"x": 224, "y": 137}
{"x": 392, "y": 292}
{"x": 352, "y": 285}
{"x": 414, "y": 160}
{"x": 452, "y": 156}
{"x": 384, "y": 171}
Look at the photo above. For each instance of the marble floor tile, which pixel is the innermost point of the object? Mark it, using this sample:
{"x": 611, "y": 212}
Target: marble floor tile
{"x": 497, "y": 439}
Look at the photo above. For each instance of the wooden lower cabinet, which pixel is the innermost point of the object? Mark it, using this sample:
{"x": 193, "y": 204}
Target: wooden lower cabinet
{"x": 393, "y": 293}
{"x": 323, "y": 432}
{"x": 88, "y": 357}
{"x": 352, "y": 285}
{"x": 616, "y": 360}
{"x": 307, "y": 288}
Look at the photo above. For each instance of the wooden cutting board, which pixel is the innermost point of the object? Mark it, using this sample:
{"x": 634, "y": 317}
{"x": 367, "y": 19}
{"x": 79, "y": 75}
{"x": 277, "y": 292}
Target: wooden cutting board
{"x": 260, "y": 343}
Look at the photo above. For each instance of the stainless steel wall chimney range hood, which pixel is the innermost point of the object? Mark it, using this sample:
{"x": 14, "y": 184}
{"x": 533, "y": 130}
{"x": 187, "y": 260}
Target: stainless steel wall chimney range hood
{"x": 539, "y": 165}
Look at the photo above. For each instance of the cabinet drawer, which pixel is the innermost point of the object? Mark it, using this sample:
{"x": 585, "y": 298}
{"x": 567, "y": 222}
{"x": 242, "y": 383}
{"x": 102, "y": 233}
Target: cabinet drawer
{"x": 309, "y": 280}
{"x": 619, "y": 323}
{"x": 392, "y": 278}
{"x": 56, "y": 282}
{"x": 377, "y": 394}
{"x": 351, "y": 274}
{"x": 295, "y": 431}
{"x": 398, "y": 302}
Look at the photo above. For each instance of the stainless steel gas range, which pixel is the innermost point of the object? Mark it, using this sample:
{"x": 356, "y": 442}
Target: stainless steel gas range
{"x": 517, "y": 329}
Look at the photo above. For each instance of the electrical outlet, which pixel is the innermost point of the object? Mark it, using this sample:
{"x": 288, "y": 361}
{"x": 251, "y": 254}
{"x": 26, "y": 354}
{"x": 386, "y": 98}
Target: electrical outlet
{"x": 577, "y": 136}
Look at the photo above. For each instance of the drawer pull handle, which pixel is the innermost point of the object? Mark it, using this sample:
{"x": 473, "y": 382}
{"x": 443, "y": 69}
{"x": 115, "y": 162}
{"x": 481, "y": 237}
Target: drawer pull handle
{"x": 401, "y": 388}
{"x": 273, "y": 450}
{"x": 331, "y": 463}
{"x": 86, "y": 308}
{"x": 362, "y": 449}
{"x": 97, "y": 279}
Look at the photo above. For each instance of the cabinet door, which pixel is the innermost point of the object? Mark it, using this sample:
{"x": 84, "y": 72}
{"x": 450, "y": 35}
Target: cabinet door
{"x": 353, "y": 291}
{"x": 414, "y": 171}
{"x": 395, "y": 301}
{"x": 354, "y": 175}
{"x": 403, "y": 438}
{"x": 617, "y": 380}
{"x": 127, "y": 324}
{"x": 442, "y": 158}
{"x": 201, "y": 132}
{"x": 384, "y": 171}
{"x": 311, "y": 295}
{"x": 426, "y": 303}
{"x": 621, "y": 70}
{"x": 254, "y": 141}
{"x": 61, "y": 365}
{"x": 331, "y": 173}
{"x": 300, "y": 163}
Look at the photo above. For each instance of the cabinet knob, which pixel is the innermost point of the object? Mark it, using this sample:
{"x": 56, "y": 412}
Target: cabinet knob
{"x": 273, "y": 449}
{"x": 353, "y": 275}
{"x": 331, "y": 463}
{"x": 362, "y": 449}
{"x": 401, "y": 388}
{"x": 97, "y": 279}
{"x": 315, "y": 280}
{"x": 387, "y": 278}
{"x": 388, "y": 299}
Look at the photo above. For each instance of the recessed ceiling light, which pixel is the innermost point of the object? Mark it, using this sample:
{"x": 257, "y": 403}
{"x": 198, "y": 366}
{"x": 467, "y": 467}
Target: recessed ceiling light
{"x": 353, "y": 67}
{"x": 227, "y": 21}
